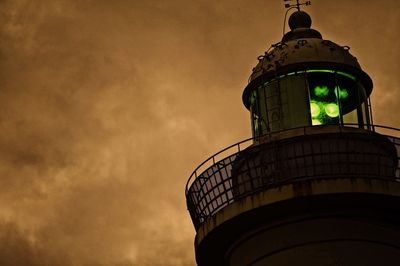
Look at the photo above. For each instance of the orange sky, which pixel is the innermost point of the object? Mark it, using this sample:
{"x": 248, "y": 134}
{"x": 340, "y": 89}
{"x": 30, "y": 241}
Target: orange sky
{"x": 106, "y": 107}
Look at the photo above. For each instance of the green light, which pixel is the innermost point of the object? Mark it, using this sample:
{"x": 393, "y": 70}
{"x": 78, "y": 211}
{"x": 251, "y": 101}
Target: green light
{"x": 315, "y": 110}
{"x": 316, "y": 122}
{"x": 343, "y": 94}
{"x": 321, "y": 91}
{"x": 332, "y": 109}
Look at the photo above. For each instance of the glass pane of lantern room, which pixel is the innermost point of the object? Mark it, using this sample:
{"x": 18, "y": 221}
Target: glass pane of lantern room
{"x": 263, "y": 119}
{"x": 324, "y": 106}
{"x": 294, "y": 101}
{"x": 254, "y": 113}
{"x": 272, "y": 102}
{"x": 364, "y": 115}
{"x": 348, "y": 94}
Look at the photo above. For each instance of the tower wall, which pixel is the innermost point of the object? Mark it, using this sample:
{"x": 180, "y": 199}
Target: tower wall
{"x": 325, "y": 222}
{"x": 354, "y": 234}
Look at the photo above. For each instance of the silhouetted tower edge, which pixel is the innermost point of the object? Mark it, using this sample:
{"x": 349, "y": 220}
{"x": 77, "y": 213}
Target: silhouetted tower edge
{"x": 316, "y": 184}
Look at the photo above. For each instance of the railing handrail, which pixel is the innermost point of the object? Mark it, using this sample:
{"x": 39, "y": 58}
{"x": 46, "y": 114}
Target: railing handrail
{"x": 212, "y": 158}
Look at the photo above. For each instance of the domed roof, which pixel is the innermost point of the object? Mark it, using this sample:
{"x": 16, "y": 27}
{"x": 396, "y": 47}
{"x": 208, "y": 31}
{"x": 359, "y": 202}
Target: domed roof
{"x": 303, "y": 48}
{"x": 304, "y": 53}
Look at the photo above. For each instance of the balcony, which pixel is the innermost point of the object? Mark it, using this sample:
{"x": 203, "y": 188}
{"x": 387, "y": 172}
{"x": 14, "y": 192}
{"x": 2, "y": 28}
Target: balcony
{"x": 293, "y": 157}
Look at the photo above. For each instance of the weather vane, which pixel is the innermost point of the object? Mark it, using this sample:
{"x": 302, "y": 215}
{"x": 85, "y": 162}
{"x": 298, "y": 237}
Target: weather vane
{"x": 297, "y": 5}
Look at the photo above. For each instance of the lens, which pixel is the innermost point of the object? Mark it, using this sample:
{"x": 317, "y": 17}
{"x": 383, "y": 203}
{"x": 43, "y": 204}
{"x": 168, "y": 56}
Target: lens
{"x": 316, "y": 122}
{"x": 332, "y": 109}
{"x": 315, "y": 110}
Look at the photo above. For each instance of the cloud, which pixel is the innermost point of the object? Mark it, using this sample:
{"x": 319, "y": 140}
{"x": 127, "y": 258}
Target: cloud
{"x": 73, "y": 106}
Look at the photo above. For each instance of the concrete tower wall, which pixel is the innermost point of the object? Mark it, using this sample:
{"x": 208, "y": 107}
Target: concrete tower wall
{"x": 354, "y": 234}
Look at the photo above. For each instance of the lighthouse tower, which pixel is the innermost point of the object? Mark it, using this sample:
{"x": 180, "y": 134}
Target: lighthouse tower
{"x": 318, "y": 182}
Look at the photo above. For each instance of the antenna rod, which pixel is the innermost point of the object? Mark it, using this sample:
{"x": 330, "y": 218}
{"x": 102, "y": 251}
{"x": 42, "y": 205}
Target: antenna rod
{"x": 297, "y": 5}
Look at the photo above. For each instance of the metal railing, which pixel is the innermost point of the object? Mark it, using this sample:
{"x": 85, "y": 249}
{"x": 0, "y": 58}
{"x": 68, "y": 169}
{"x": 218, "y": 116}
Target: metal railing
{"x": 242, "y": 168}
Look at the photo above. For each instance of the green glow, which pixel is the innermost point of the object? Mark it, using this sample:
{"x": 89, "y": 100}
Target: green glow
{"x": 321, "y": 91}
{"x": 311, "y": 71}
{"x": 315, "y": 110}
{"x": 332, "y": 71}
{"x": 343, "y": 94}
{"x": 346, "y": 75}
{"x": 316, "y": 122}
{"x": 332, "y": 109}
{"x": 320, "y": 71}
{"x": 253, "y": 97}
{"x": 292, "y": 73}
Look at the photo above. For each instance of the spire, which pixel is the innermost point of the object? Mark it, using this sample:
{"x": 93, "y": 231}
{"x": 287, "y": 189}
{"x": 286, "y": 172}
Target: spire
{"x": 297, "y": 5}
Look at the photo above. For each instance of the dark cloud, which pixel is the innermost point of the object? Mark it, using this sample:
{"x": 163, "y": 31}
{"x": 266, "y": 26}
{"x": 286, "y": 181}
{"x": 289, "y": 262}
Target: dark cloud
{"x": 15, "y": 249}
{"x": 106, "y": 108}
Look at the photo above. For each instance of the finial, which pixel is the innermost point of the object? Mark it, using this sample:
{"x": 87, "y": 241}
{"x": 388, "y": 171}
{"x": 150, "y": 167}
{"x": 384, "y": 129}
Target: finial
{"x": 299, "y": 19}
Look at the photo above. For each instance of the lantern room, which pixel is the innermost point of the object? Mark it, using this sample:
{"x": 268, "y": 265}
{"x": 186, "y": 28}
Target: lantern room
{"x": 307, "y": 81}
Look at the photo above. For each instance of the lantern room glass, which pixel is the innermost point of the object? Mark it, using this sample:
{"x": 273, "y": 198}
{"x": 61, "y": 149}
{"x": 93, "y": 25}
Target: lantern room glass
{"x": 309, "y": 98}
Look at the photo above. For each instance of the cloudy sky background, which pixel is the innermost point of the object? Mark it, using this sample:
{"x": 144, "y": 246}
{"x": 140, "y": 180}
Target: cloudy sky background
{"x": 107, "y": 106}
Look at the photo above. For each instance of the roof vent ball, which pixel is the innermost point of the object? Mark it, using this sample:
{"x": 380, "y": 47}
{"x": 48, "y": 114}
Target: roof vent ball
{"x": 299, "y": 19}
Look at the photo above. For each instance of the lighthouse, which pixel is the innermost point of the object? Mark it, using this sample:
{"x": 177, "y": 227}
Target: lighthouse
{"x": 317, "y": 183}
